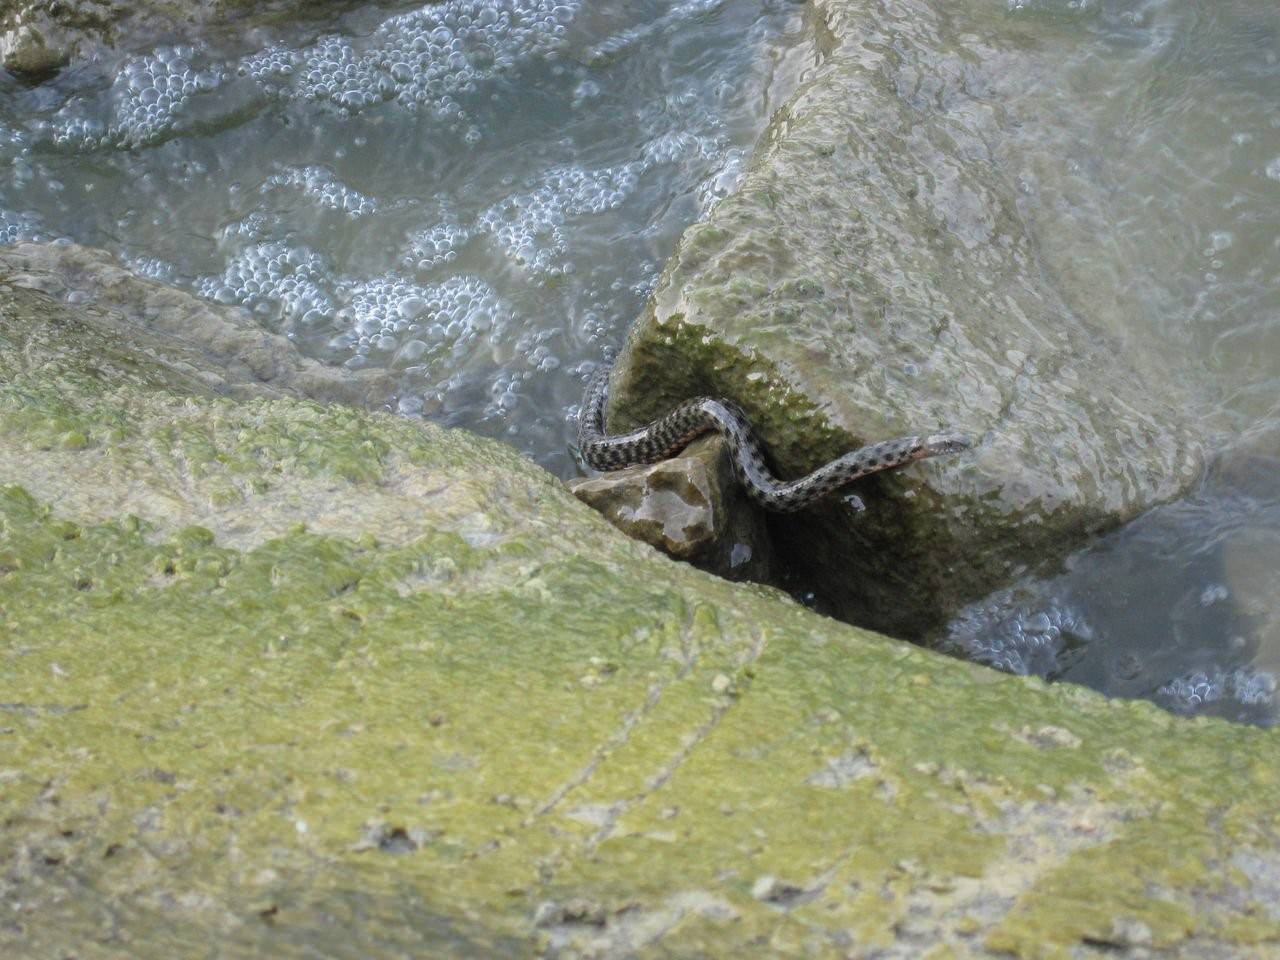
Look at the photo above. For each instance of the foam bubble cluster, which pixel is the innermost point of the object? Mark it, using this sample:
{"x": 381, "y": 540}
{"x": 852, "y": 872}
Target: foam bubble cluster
{"x": 16, "y": 227}
{"x": 531, "y": 228}
{"x": 332, "y": 70}
{"x": 153, "y": 268}
{"x": 417, "y": 322}
{"x": 272, "y": 66}
{"x": 274, "y": 275}
{"x": 147, "y": 99}
{"x": 1195, "y": 691}
{"x": 425, "y": 59}
{"x": 435, "y": 245}
{"x": 1018, "y": 636}
{"x": 1047, "y": 636}
{"x": 323, "y": 186}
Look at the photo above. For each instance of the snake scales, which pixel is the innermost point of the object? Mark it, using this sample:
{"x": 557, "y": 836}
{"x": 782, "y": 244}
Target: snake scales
{"x": 664, "y": 437}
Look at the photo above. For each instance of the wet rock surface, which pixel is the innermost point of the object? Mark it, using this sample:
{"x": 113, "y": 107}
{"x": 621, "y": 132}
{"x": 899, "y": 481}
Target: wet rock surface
{"x": 223, "y": 346}
{"x": 689, "y": 507}
{"x": 40, "y": 37}
{"x": 864, "y": 283}
{"x": 302, "y": 679}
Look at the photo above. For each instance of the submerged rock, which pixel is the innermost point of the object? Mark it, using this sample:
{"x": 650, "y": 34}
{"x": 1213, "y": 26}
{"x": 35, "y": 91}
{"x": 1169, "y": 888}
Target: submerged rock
{"x": 40, "y": 37}
{"x": 689, "y": 507}
{"x": 874, "y": 276}
{"x": 35, "y": 50}
{"x": 299, "y": 679}
{"x": 223, "y": 346}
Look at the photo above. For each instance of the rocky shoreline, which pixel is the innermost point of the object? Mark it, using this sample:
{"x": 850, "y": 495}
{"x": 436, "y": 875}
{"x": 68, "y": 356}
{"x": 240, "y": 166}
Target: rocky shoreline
{"x": 289, "y": 676}
{"x": 282, "y": 674}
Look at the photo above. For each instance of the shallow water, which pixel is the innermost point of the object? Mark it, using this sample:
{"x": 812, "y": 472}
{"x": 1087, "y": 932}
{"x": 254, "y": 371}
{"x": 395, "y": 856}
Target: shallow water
{"x": 476, "y": 194}
{"x": 1152, "y": 178}
{"x": 480, "y": 195}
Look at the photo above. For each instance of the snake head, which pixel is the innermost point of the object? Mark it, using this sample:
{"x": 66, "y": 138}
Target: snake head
{"x": 943, "y": 443}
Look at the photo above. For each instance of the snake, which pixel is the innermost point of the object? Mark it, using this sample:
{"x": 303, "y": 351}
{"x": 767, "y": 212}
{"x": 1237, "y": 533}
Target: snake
{"x": 668, "y": 435}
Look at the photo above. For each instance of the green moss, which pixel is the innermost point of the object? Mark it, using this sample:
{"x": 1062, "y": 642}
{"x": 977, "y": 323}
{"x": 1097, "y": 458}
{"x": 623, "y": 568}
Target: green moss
{"x": 306, "y": 700}
{"x": 403, "y": 695}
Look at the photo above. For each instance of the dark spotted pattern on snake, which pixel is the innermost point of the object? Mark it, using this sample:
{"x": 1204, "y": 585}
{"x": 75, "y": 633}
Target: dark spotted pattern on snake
{"x": 666, "y": 436}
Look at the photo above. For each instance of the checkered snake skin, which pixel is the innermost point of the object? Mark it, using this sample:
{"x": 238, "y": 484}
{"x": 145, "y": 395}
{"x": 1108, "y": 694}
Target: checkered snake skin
{"x": 664, "y": 437}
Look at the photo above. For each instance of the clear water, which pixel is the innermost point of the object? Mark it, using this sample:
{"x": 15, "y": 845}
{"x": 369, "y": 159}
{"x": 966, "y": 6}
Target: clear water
{"x": 1150, "y": 168}
{"x": 479, "y": 195}
{"x": 476, "y": 194}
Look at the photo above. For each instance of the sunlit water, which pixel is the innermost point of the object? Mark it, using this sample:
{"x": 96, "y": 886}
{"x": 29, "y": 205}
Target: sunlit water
{"x": 1152, "y": 178}
{"x": 479, "y": 195}
{"x": 476, "y": 194}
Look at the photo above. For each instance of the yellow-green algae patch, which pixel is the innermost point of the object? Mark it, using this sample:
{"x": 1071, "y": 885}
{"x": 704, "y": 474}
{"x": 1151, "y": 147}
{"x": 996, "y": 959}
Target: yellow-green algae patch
{"x": 403, "y": 695}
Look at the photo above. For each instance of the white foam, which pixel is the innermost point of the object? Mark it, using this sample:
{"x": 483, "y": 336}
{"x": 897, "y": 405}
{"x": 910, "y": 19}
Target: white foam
{"x": 274, "y": 274}
{"x": 1250, "y": 688}
{"x": 146, "y": 102}
{"x": 427, "y": 59}
{"x": 322, "y": 185}
{"x": 16, "y": 227}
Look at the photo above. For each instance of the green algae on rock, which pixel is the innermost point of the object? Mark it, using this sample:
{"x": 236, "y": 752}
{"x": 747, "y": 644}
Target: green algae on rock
{"x": 220, "y": 346}
{"x": 296, "y": 679}
{"x": 873, "y": 276}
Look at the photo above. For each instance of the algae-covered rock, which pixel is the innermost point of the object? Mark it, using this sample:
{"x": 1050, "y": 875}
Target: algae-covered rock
{"x": 231, "y": 353}
{"x": 874, "y": 275}
{"x": 291, "y": 680}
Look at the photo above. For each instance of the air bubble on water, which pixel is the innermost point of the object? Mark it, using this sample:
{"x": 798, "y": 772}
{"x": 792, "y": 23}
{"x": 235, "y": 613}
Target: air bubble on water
{"x": 272, "y": 273}
{"x": 1212, "y": 594}
{"x": 452, "y": 314}
{"x": 321, "y": 185}
{"x": 1017, "y": 636}
{"x": 1247, "y": 687}
{"x": 530, "y": 227}
{"x": 274, "y": 64}
{"x": 16, "y": 227}
{"x": 435, "y": 245}
{"x": 1220, "y": 240}
{"x": 145, "y": 102}
{"x": 153, "y": 268}
{"x": 584, "y": 91}
{"x": 428, "y": 58}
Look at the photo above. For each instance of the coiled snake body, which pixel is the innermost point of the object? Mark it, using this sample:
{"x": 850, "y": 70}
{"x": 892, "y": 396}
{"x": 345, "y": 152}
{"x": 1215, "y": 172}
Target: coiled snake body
{"x": 664, "y": 437}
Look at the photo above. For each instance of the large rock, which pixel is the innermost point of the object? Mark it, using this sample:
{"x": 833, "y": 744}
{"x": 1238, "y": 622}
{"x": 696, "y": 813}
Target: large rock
{"x": 874, "y": 276}
{"x": 283, "y": 679}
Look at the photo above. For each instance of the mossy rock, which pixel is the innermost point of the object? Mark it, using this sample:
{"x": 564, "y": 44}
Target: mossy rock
{"x": 873, "y": 276}
{"x": 286, "y": 679}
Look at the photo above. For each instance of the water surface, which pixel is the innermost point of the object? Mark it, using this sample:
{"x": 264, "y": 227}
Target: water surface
{"x": 475, "y": 194}
{"x": 1147, "y": 154}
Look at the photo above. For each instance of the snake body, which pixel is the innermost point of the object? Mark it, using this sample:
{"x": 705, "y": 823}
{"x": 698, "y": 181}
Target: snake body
{"x": 668, "y": 435}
